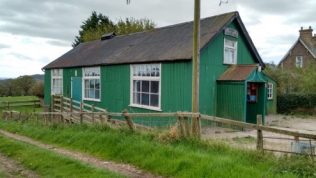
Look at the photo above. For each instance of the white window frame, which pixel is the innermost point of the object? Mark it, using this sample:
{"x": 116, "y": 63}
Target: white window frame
{"x": 84, "y": 77}
{"x": 57, "y": 77}
{"x": 299, "y": 61}
{"x": 270, "y": 91}
{"x": 147, "y": 78}
{"x": 225, "y": 61}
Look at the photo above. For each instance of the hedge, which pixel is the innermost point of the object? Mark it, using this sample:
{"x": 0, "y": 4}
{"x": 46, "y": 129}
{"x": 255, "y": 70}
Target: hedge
{"x": 293, "y": 103}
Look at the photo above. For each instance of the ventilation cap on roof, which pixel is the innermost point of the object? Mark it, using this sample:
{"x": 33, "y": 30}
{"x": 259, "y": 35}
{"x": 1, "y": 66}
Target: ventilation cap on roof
{"x": 108, "y": 36}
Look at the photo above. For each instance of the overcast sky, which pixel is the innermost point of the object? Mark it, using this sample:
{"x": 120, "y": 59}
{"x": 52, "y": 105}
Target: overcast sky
{"x": 35, "y": 32}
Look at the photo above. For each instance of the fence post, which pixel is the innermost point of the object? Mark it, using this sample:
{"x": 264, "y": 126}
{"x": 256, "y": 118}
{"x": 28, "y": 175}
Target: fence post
{"x": 92, "y": 114}
{"x": 128, "y": 120}
{"x": 196, "y": 125}
{"x": 61, "y": 103}
{"x": 181, "y": 128}
{"x": 70, "y": 107}
{"x": 259, "y": 133}
{"x": 81, "y": 116}
{"x": 52, "y": 105}
{"x": 187, "y": 125}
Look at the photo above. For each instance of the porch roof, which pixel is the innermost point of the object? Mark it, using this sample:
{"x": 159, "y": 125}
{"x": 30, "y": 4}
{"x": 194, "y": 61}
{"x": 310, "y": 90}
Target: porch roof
{"x": 238, "y": 72}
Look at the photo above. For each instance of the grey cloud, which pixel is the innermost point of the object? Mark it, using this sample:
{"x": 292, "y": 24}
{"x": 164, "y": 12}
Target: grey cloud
{"x": 3, "y": 46}
{"x": 279, "y": 7}
{"x": 58, "y": 43}
{"x": 20, "y": 56}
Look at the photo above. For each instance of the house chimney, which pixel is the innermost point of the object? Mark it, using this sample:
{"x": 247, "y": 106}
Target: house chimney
{"x": 306, "y": 34}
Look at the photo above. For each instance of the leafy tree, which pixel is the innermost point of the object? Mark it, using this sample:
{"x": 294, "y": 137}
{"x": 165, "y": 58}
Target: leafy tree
{"x": 293, "y": 81}
{"x": 23, "y": 84}
{"x": 38, "y": 89}
{"x": 98, "y": 24}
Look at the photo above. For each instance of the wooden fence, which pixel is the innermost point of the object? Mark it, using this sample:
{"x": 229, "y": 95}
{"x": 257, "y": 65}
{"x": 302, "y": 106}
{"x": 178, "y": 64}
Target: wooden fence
{"x": 12, "y": 104}
{"x": 80, "y": 112}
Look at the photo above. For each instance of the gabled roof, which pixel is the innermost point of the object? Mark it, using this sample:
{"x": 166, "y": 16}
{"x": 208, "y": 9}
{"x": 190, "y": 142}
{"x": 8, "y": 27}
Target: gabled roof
{"x": 237, "y": 73}
{"x": 169, "y": 43}
{"x": 310, "y": 48}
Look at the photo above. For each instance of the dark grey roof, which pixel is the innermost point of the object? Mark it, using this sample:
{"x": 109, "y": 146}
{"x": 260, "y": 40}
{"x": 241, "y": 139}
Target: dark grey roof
{"x": 161, "y": 44}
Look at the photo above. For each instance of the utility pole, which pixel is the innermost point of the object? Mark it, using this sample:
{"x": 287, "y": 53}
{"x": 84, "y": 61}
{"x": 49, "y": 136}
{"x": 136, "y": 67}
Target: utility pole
{"x": 196, "y": 68}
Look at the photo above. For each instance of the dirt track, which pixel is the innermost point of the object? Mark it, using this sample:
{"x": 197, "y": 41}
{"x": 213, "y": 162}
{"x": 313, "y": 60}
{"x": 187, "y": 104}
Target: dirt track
{"x": 13, "y": 169}
{"x": 124, "y": 169}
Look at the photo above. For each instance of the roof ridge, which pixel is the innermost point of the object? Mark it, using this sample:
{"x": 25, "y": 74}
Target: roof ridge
{"x": 175, "y": 25}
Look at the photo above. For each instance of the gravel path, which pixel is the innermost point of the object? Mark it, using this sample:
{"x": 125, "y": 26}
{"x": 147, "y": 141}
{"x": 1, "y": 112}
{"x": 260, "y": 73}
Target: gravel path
{"x": 11, "y": 168}
{"x": 124, "y": 169}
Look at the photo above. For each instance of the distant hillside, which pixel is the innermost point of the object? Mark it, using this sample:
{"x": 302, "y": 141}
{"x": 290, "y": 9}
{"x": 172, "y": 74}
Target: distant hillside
{"x": 39, "y": 77}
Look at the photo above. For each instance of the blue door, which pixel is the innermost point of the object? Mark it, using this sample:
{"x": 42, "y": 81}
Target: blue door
{"x": 76, "y": 88}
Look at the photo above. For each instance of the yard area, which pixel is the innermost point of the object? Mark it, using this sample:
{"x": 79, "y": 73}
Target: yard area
{"x": 247, "y": 138}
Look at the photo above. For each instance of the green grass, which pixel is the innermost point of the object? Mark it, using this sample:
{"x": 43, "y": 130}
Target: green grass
{"x": 179, "y": 158}
{"x": 17, "y": 98}
{"x": 30, "y": 108}
{"x": 46, "y": 163}
{"x": 2, "y": 174}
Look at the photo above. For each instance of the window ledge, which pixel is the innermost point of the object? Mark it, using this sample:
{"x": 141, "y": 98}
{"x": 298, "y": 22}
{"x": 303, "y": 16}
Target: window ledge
{"x": 90, "y": 99}
{"x": 145, "y": 107}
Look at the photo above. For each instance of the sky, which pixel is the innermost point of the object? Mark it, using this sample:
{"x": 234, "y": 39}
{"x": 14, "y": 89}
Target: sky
{"x": 36, "y": 32}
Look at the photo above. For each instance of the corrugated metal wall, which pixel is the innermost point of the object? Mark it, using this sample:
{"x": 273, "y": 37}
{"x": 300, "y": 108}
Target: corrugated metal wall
{"x": 231, "y": 100}
{"x": 47, "y": 87}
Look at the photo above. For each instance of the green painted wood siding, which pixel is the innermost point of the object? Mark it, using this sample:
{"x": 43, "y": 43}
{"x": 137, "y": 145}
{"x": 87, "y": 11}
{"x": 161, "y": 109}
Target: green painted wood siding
{"x": 271, "y": 103}
{"x": 175, "y": 87}
{"x": 47, "y": 86}
{"x": 211, "y": 67}
{"x": 231, "y": 100}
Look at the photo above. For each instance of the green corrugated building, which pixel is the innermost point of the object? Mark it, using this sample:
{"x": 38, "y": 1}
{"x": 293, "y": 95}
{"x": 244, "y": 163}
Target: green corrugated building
{"x": 152, "y": 71}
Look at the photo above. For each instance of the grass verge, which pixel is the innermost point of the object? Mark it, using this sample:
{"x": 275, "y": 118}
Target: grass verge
{"x": 46, "y": 163}
{"x": 17, "y": 98}
{"x": 176, "y": 158}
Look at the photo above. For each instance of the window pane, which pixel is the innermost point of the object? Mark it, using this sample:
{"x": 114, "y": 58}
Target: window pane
{"x": 86, "y": 84}
{"x": 91, "y": 84}
{"x": 154, "y": 100}
{"x": 97, "y": 94}
{"x": 145, "y": 99}
{"x": 86, "y": 93}
{"x": 136, "y": 98}
{"x": 154, "y": 88}
{"x": 145, "y": 86}
{"x": 91, "y": 93}
{"x": 97, "y": 83}
{"x": 148, "y": 70}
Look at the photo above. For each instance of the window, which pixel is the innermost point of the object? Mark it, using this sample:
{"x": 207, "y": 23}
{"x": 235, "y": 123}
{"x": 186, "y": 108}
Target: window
{"x": 145, "y": 86}
{"x": 299, "y": 61}
{"x": 91, "y": 83}
{"x": 57, "y": 82}
{"x": 230, "y": 51}
{"x": 270, "y": 91}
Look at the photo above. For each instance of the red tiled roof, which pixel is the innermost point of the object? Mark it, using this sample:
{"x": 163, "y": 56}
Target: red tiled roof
{"x": 237, "y": 73}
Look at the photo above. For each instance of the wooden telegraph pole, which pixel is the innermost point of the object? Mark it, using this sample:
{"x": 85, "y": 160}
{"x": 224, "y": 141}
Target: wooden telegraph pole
{"x": 196, "y": 68}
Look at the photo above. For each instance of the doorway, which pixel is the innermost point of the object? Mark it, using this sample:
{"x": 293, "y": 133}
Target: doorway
{"x": 76, "y": 88}
{"x": 255, "y": 101}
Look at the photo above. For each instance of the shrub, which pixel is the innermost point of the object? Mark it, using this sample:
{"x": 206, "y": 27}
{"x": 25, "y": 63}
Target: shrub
{"x": 294, "y": 103}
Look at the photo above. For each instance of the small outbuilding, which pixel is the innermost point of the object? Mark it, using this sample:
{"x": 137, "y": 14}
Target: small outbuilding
{"x": 152, "y": 71}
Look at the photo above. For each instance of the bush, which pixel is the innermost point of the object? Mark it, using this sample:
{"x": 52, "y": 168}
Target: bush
{"x": 295, "y": 103}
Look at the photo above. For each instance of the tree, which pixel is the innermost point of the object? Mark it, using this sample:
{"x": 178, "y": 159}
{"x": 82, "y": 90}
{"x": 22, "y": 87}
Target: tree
{"x": 23, "y": 84}
{"x": 98, "y": 24}
{"x": 38, "y": 89}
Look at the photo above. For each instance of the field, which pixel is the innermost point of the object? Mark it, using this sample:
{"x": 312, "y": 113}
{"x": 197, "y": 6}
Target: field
{"x": 158, "y": 152}
{"x": 17, "y": 98}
